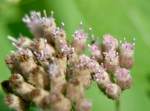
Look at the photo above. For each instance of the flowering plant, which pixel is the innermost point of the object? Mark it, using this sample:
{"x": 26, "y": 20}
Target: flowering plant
{"x": 52, "y": 74}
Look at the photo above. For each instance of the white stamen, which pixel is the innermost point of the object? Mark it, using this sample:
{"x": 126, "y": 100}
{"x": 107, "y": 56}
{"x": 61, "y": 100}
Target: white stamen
{"x": 52, "y": 13}
{"x": 63, "y": 24}
{"x": 90, "y": 28}
{"x": 81, "y": 23}
{"x": 12, "y": 39}
{"x": 44, "y": 12}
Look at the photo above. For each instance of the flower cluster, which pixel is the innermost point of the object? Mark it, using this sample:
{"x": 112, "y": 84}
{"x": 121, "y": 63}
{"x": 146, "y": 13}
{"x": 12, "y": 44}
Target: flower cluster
{"x": 52, "y": 74}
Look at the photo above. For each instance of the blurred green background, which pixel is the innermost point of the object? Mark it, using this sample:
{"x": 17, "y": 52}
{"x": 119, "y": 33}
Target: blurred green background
{"x": 121, "y": 18}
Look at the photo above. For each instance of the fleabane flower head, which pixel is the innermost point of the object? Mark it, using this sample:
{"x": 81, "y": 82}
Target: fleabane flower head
{"x": 109, "y": 42}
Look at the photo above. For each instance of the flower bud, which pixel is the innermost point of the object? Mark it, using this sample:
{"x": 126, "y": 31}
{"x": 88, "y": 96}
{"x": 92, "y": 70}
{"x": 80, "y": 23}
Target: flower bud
{"x": 75, "y": 90}
{"x": 84, "y": 77}
{"x": 21, "y": 42}
{"x": 93, "y": 66}
{"x": 84, "y": 105}
{"x": 126, "y": 55}
{"x": 109, "y": 42}
{"x": 79, "y": 40}
{"x": 15, "y": 102}
{"x": 123, "y": 78}
{"x": 59, "y": 102}
{"x": 11, "y": 62}
{"x": 20, "y": 87}
{"x": 102, "y": 78}
{"x": 83, "y": 62}
{"x": 40, "y": 26}
{"x": 42, "y": 49}
{"x": 111, "y": 61}
{"x": 96, "y": 52}
{"x": 113, "y": 91}
{"x": 25, "y": 58}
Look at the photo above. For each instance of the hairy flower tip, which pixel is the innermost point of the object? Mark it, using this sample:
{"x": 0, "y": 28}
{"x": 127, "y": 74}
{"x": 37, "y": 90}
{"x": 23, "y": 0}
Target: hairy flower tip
{"x": 126, "y": 55}
{"x": 93, "y": 66}
{"x": 22, "y": 42}
{"x": 96, "y": 52}
{"x": 80, "y": 35}
{"x": 113, "y": 91}
{"x": 66, "y": 50}
{"x": 102, "y": 78}
{"x": 84, "y": 105}
{"x": 38, "y": 24}
{"x": 123, "y": 78}
{"x": 24, "y": 54}
{"x": 59, "y": 33}
{"x": 25, "y": 58}
{"x": 127, "y": 49}
{"x": 79, "y": 40}
{"x": 42, "y": 49}
{"x": 111, "y": 60}
{"x": 53, "y": 69}
{"x": 83, "y": 61}
{"x": 109, "y": 42}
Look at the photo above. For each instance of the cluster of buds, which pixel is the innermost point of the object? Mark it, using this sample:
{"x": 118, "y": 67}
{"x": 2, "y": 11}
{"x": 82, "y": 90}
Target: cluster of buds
{"x": 114, "y": 61}
{"x": 52, "y": 74}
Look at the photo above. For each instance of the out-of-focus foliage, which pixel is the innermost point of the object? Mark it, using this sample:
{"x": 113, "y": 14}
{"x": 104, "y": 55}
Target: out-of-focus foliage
{"x": 121, "y": 18}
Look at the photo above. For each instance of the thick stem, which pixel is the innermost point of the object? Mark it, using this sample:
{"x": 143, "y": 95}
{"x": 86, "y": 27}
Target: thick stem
{"x": 118, "y": 105}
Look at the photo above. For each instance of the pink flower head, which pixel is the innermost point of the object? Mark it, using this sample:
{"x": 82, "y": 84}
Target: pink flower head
{"x": 93, "y": 65}
{"x": 123, "y": 78}
{"x": 111, "y": 57}
{"x": 65, "y": 49}
{"x": 96, "y": 52}
{"x": 127, "y": 49}
{"x": 22, "y": 42}
{"x": 102, "y": 78}
{"x": 80, "y": 35}
{"x": 113, "y": 91}
{"x": 42, "y": 49}
{"x": 83, "y": 61}
{"x": 84, "y": 105}
{"x": 109, "y": 42}
{"x": 36, "y": 22}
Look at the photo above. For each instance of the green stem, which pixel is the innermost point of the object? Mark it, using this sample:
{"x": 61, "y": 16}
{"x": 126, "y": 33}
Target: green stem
{"x": 118, "y": 105}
